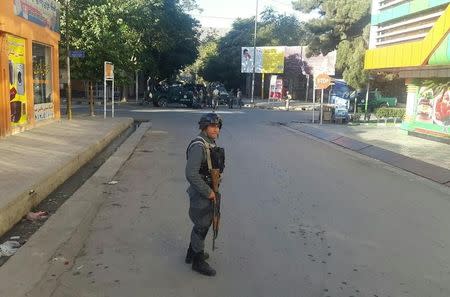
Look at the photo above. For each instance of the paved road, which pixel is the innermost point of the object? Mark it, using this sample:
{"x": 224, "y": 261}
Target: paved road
{"x": 300, "y": 218}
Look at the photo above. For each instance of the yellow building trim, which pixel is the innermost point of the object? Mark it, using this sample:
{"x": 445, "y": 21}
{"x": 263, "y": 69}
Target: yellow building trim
{"x": 411, "y": 54}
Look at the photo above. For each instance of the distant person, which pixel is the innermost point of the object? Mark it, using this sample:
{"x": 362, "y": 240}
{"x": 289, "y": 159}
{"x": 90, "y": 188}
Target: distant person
{"x": 239, "y": 98}
{"x": 215, "y": 100}
{"x": 231, "y": 99}
{"x": 288, "y": 99}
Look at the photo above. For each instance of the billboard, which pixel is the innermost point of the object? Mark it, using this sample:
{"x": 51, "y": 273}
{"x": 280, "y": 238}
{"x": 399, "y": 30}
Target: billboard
{"x": 45, "y": 13}
{"x": 269, "y": 59}
{"x": 291, "y": 60}
{"x": 318, "y": 64}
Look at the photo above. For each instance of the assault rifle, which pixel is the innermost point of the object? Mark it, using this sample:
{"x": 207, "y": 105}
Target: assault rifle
{"x": 215, "y": 178}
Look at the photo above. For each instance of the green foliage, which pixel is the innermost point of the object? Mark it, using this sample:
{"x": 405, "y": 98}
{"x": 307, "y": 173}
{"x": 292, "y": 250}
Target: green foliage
{"x": 155, "y": 36}
{"x": 343, "y": 26}
{"x": 385, "y": 113}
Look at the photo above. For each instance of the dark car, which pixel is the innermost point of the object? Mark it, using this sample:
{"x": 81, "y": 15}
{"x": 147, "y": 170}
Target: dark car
{"x": 176, "y": 93}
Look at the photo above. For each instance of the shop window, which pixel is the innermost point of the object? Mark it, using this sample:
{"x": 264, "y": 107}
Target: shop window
{"x": 42, "y": 82}
{"x": 42, "y": 74}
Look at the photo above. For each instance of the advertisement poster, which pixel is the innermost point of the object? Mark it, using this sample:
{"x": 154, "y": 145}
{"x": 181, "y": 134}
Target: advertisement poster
{"x": 433, "y": 108}
{"x": 17, "y": 95}
{"x": 268, "y": 59}
{"x": 276, "y": 87}
{"x": 45, "y": 13}
{"x": 287, "y": 60}
{"x": 273, "y": 59}
{"x": 320, "y": 63}
{"x": 247, "y": 60}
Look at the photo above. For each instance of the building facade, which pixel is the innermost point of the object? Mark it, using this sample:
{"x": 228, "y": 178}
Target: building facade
{"x": 29, "y": 64}
{"x": 411, "y": 38}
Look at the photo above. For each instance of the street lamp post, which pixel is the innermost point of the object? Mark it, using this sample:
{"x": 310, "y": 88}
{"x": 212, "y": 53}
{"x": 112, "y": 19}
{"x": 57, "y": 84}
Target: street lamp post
{"x": 254, "y": 55}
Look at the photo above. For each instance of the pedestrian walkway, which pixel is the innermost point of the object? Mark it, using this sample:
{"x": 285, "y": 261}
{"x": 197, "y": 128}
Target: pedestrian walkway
{"x": 389, "y": 144}
{"x": 294, "y": 105}
{"x": 34, "y": 163}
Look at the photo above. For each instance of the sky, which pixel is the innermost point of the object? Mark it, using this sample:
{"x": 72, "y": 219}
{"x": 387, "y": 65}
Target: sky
{"x": 222, "y": 13}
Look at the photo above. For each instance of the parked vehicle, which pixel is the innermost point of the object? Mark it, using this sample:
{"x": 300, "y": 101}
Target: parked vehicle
{"x": 176, "y": 93}
{"x": 342, "y": 95}
{"x": 376, "y": 100}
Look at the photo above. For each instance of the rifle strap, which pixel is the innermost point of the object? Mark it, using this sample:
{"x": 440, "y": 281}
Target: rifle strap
{"x": 206, "y": 146}
{"x": 208, "y": 156}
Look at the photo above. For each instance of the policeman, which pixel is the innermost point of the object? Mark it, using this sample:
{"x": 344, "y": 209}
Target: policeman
{"x": 200, "y": 190}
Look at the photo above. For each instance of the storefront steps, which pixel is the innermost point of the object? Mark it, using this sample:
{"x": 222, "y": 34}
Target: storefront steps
{"x": 34, "y": 163}
{"x": 390, "y": 145}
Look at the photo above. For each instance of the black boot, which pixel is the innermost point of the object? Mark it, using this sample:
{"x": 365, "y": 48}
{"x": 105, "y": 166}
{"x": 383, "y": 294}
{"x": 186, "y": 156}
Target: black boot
{"x": 201, "y": 266}
{"x": 190, "y": 255}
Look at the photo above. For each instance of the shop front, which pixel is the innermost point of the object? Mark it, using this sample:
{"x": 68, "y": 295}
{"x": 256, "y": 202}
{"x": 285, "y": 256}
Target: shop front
{"x": 29, "y": 68}
{"x": 411, "y": 38}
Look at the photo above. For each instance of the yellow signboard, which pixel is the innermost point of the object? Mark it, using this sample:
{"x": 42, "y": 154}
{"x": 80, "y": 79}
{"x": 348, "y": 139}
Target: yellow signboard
{"x": 17, "y": 80}
{"x": 273, "y": 59}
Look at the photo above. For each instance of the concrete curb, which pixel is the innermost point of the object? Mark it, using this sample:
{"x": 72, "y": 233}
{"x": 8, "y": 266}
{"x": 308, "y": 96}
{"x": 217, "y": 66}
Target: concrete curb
{"x": 418, "y": 167}
{"x": 19, "y": 206}
{"x": 52, "y": 249}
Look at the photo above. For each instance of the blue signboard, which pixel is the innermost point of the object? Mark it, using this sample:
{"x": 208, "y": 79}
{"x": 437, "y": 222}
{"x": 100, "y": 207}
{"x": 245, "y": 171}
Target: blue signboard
{"x": 77, "y": 54}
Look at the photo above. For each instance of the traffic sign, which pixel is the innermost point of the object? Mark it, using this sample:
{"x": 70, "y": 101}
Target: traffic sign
{"x": 323, "y": 81}
{"x": 77, "y": 54}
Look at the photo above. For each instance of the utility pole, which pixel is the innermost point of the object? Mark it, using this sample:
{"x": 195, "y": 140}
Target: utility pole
{"x": 137, "y": 86}
{"x": 69, "y": 81}
{"x": 254, "y": 55}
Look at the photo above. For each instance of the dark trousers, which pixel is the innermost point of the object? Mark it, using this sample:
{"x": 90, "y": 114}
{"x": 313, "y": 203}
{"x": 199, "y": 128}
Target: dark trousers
{"x": 202, "y": 219}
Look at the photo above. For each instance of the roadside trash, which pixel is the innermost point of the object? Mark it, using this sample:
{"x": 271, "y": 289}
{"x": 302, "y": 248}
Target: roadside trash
{"x": 9, "y": 248}
{"x": 61, "y": 259}
{"x": 14, "y": 237}
{"x": 113, "y": 182}
{"x": 34, "y": 216}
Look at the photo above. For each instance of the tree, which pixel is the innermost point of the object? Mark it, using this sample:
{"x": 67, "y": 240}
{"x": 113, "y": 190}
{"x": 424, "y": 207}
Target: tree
{"x": 155, "y": 36}
{"x": 169, "y": 37}
{"x": 207, "y": 49}
{"x": 273, "y": 30}
{"x": 343, "y": 25}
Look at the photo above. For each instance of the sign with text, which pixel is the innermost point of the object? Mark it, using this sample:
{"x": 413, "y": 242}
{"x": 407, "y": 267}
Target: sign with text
{"x": 45, "y": 13}
{"x": 269, "y": 59}
{"x": 323, "y": 81}
{"x": 78, "y": 54}
{"x": 276, "y": 87}
{"x": 109, "y": 71}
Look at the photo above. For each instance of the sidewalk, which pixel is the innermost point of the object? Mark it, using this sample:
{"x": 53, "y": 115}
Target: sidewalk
{"x": 388, "y": 144}
{"x": 34, "y": 163}
{"x": 294, "y": 105}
